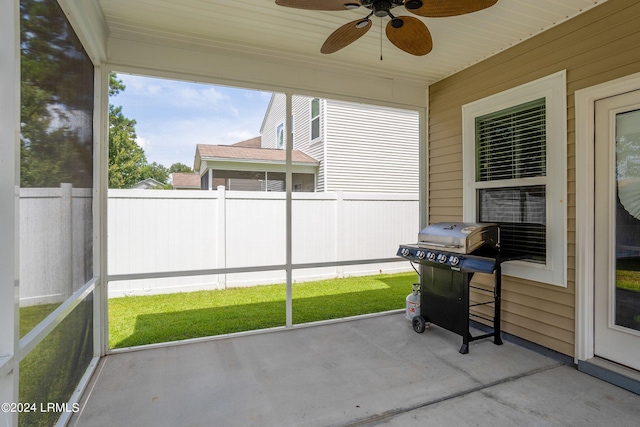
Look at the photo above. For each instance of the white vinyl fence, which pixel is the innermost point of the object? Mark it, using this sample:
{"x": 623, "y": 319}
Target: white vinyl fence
{"x": 55, "y": 256}
{"x": 166, "y": 231}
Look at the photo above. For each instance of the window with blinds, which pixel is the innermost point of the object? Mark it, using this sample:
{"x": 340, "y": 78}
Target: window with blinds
{"x": 511, "y": 143}
{"x": 521, "y": 213}
{"x": 514, "y": 154}
{"x": 511, "y": 146}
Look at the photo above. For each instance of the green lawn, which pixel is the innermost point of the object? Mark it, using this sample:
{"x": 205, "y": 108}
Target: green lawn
{"x": 32, "y": 315}
{"x": 628, "y": 280}
{"x": 51, "y": 371}
{"x": 628, "y": 274}
{"x": 160, "y": 318}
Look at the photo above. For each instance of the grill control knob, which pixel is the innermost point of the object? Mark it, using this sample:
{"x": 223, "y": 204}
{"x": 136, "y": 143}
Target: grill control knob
{"x": 405, "y": 252}
{"x": 442, "y": 258}
{"x": 454, "y": 260}
{"x": 431, "y": 256}
{"x": 421, "y": 254}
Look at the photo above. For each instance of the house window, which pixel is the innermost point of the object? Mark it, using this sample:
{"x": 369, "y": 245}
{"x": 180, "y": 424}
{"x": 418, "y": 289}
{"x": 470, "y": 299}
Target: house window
{"x": 315, "y": 119}
{"x": 514, "y": 147}
{"x": 510, "y": 146}
{"x": 280, "y": 136}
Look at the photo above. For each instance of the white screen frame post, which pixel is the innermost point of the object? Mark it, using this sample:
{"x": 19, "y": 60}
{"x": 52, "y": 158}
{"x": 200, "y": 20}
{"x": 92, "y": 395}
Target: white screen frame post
{"x": 9, "y": 206}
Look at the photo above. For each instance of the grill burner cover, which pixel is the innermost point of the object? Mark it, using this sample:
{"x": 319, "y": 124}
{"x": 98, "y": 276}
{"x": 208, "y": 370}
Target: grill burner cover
{"x": 459, "y": 237}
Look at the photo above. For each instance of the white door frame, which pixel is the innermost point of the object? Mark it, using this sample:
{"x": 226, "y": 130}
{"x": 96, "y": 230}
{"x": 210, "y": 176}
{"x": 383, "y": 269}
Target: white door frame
{"x": 585, "y": 201}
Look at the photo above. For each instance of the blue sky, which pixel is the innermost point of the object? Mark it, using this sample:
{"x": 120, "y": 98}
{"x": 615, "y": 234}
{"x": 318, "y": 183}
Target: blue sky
{"x": 173, "y": 116}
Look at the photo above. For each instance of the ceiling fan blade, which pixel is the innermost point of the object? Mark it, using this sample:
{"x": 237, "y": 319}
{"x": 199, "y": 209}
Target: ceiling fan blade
{"x": 442, "y": 8}
{"x": 409, "y": 34}
{"x": 320, "y": 4}
{"x": 346, "y": 35}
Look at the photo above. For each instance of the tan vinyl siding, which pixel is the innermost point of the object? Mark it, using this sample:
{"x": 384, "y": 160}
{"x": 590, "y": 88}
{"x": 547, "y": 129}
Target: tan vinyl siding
{"x": 597, "y": 46}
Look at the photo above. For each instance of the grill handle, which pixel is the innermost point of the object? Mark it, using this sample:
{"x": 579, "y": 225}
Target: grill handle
{"x": 439, "y": 245}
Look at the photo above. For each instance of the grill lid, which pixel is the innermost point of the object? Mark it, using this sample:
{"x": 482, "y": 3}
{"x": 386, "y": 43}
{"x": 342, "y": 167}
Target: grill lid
{"x": 459, "y": 237}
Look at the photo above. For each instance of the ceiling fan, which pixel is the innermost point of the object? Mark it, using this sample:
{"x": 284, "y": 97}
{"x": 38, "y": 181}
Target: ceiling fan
{"x": 405, "y": 32}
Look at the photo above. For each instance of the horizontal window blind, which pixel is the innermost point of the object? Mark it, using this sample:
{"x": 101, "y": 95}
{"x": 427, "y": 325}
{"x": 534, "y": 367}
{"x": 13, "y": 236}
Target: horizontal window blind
{"x": 511, "y": 143}
{"x": 521, "y": 214}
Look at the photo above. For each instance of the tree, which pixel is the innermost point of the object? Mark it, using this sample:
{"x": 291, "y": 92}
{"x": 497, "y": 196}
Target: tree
{"x": 156, "y": 171}
{"x": 56, "y": 139}
{"x": 126, "y": 158}
{"x": 180, "y": 167}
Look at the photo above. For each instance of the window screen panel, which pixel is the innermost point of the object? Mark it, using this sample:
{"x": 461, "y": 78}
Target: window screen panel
{"x": 521, "y": 214}
{"x": 56, "y": 161}
{"x": 511, "y": 143}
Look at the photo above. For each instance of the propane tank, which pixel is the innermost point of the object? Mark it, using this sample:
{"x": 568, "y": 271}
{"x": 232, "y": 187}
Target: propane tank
{"x": 413, "y": 302}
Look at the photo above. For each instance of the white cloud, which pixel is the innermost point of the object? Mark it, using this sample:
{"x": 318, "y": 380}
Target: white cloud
{"x": 153, "y": 89}
{"x": 173, "y": 117}
{"x": 240, "y": 135}
{"x": 173, "y": 93}
{"x": 143, "y": 142}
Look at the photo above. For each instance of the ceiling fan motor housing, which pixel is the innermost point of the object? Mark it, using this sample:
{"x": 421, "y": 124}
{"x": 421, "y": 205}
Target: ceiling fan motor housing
{"x": 369, "y": 3}
{"x": 381, "y": 8}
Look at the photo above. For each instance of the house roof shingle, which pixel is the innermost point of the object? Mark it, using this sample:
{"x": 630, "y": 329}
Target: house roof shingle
{"x": 246, "y": 153}
{"x": 250, "y": 143}
{"x": 182, "y": 179}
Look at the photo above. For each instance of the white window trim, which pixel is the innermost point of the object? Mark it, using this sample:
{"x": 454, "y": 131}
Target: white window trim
{"x": 553, "y": 88}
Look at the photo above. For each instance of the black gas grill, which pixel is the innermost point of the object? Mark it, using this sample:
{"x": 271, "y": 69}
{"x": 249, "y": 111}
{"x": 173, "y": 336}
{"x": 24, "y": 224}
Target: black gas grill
{"x": 450, "y": 253}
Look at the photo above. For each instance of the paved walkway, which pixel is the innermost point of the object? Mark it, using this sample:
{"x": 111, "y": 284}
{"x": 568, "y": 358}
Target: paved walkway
{"x": 366, "y": 372}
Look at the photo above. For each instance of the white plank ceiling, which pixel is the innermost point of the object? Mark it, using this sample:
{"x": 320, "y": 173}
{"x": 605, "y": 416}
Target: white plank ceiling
{"x": 263, "y": 27}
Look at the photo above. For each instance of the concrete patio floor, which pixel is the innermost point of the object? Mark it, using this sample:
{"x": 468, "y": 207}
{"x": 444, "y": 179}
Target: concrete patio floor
{"x": 366, "y": 372}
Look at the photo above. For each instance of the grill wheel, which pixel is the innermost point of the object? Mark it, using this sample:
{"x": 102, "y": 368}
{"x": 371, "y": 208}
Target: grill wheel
{"x": 419, "y": 324}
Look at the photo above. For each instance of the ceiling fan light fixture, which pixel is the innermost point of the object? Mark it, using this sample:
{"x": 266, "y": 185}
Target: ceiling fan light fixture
{"x": 397, "y": 23}
{"x": 351, "y": 6}
{"x": 413, "y": 4}
{"x": 362, "y": 23}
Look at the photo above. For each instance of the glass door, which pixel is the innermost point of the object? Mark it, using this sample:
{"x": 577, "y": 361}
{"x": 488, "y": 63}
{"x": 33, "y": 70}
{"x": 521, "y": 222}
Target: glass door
{"x": 617, "y": 235}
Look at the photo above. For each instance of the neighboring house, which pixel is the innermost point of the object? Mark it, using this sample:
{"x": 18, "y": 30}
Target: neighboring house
{"x": 359, "y": 147}
{"x": 146, "y": 184}
{"x": 185, "y": 181}
{"x": 354, "y": 147}
{"x": 244, "y": 167}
